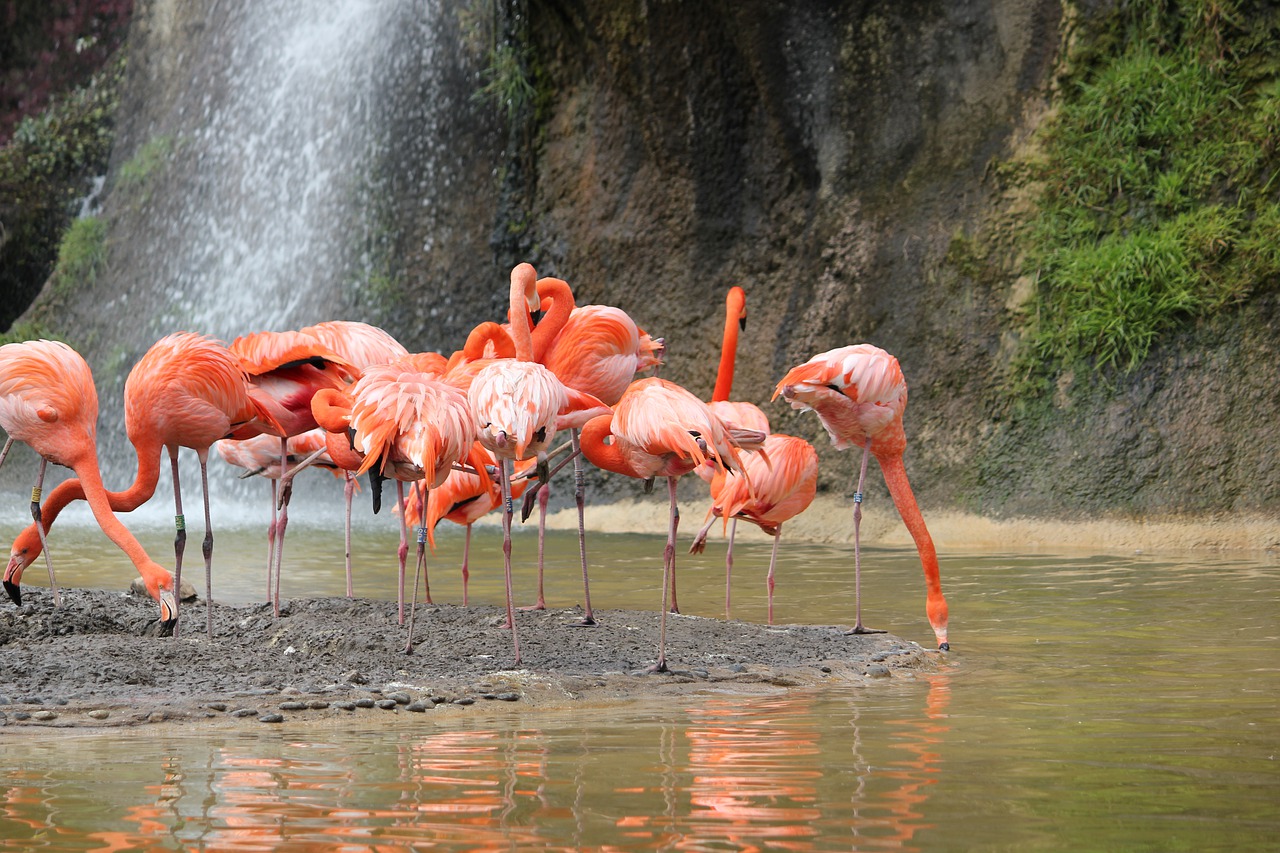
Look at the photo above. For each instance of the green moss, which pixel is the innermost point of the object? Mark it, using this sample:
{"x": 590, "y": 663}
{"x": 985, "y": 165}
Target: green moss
{"x": 133, "y": 178}
{"x": 82, "y": 254}
{"x": 1156, "y": 204}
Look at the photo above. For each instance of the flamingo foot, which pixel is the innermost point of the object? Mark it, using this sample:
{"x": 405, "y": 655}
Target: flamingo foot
{"x": 15, "y": 592}
{"x": 585, "y": 622}
{"x": 657, "y": 668}
{"x": 541, "y": 605}
{"x": 861, "y": 629}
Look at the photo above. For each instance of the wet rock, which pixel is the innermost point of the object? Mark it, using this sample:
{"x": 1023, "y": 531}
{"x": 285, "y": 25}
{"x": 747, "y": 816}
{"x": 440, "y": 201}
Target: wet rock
{"x": 293, "y": 706}
{"x": 399, "y": 697}
{"x": 44, "y": 716}
{"x": 99, "y": 713}
{"x": 364, "y": 702}
{"x": 216, "y": 706}
{"x": 21, "y": 715}
{"x": 507, "y": 697}
{"x": 876, "y": 670}
{"x": 244, "y": 712}
{"x": 4, "y": 700}
{"x": 418, "y": 707}
{"x": 4, "y": 720}
{"x": 271, "y": 718}
{"x": 344, "y": 705}
{"x": 317, "y": 704}
{"x": 387, "y": 704}
{"x": 464, "y": 700}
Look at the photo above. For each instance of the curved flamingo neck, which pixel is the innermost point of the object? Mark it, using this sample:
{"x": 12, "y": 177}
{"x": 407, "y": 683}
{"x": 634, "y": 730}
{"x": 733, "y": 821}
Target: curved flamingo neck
{"x": 482, "y": 336}
{"x": 560, "y": 295}
{"x": 599, "y": 452}
{"x": 895, "y": 476}
{"x": 95, "y": 493}
{"x": 735, "y": 315}
{"x": 524, "y": 292}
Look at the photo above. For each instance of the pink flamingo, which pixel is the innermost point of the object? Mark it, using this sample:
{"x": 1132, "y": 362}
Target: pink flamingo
{"x": 48, "y": 400}
{"x": 858, "y": 393}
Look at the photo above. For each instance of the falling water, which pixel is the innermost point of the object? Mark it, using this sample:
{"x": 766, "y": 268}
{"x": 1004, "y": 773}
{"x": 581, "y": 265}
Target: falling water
{"x": 288, "y": 126}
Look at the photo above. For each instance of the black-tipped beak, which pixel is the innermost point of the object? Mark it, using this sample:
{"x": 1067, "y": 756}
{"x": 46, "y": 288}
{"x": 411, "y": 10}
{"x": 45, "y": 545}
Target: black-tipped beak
{"x": 537, "y": 316}
{"x": 742, "y": 324}
{"x": 944, "y": 647}
{"x": 15, "y": 592}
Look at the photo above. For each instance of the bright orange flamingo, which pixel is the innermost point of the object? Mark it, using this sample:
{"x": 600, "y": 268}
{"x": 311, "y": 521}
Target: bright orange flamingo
{"x": 518, "y": 405}
{"x": 659, "y": 429}
{"x": 285, "y": 370}
{"x": 187, "y": 390}
{"x": 466, "y": 495}
{"x": 48, "y": 400}
{"x": 598, "y": 350}
{"x": 858, "y": 393}
{"x": 783, "y": 479}
{"x": 360, "y": 345}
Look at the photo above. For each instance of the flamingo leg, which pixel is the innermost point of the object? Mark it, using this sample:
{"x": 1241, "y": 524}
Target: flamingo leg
{"x": 668, "y": 575}
{"x": 5, "y": 452}
{"x": 282, "y": 521}
{"x": 37, "y": 518}
{"x": 179, "y": 539}
{"x": 402, "y": 552}
{"x": 544, "y": 497}
{"x": 423, "y": 494}
{"x": 348, "y": 491}
{"x": 580, "y": 498}
{"x": 419, "y": 570}
{"x": 507, "y": 512}
{"x": 773, "y": 563}
{"x": 271, "y": 538}
{"x": 206, "y": 548}
{"x": 466, "y": 571}
{"x": 675, "y": 522}
{"x": 858, "y": 627}
{"x": 728, "y": 563}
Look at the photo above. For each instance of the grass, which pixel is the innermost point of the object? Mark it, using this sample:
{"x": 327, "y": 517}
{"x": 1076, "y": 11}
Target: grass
{"x": 1158, "y": 199}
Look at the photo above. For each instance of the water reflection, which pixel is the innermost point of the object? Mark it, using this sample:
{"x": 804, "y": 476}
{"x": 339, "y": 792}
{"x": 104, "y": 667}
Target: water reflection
{"x": 1098, "y": 702}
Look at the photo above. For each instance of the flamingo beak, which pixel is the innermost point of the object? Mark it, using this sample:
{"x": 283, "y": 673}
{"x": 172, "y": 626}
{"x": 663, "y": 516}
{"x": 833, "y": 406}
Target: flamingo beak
{"x": 501, "y": 439}
{"x": 168, "y": 612}
{"x": 12, "y": 573}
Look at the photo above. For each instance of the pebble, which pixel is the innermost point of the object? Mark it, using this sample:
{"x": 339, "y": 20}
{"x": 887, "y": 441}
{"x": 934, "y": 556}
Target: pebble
{"x": 399, "y": 697}
{"x": 293, "y": 706}
{"x": 3, "y": 719}
{"x": 317, "y": 704}
{"x": 344, "y": 705}
{"x": 438, "y": 700}
{"x": 354, "y": 677}
{"x": 243, "y": 712}
{"x": 826, "y": 669}
{"x": 464, "y": 700}
{"x": 507, "y": 697}
{"x": 387, "y": 704}
{"x": 21, "y": 715}
{"x": 364, "y": 702}
{"x": 44, "y": 716}
{"x": 216, "y": 706}
{"x": 876, "y": 670}
{"x": 99, "y": 713}
{"x": 271, "y": 718}
{"x": 418, "y": 707}
{"x": 4, "y": 700}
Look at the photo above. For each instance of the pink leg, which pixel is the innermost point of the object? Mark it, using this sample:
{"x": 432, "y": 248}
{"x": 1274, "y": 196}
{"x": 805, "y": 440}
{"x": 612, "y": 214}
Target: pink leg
{"x": 206, "y": 547}
{"x": 420, "y": 567}
{"x": 282, "y": 522}
{"x": 466, "y": 572}
{"x": 348, "y": 491}
{"x": 728, "y": 564}
{"x": 858, "y": 627}
{"x": 36, "y": 517}
{"x": 507, "y": 511}
{"x": 179, "y": 541}
{"x": 675, "y": 522}
{"x": 580, "y": 499}
{"x": 403, "y": 552}
{"x": 668, "y": 575}
{"x": 271, "y": 538}
{"x": 773, "y": 562}
{"x": 544, "y": 496}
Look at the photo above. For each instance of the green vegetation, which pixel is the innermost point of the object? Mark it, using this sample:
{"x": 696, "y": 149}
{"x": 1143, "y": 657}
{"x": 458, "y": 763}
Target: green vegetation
{"x": 508, "y": 85}
{"x": 82, "y": 255}
{"x": 1158, "y": 199}
{"x": 133, "y": 177}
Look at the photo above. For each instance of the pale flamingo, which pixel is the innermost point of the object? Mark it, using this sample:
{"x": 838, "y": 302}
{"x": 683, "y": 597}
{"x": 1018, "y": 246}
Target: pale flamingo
{"x": 285, "y": 370}
{"x": 858, "y": 393}
{"x": 598, "y": 350}
{"x": 48, "y": 400}
{"x": 360, "y": 345}
{"x": 783, "y": 479}
{"x": 659, "y": 429}
{"x": 187, "y": 390}
{"x": 415, "y": 428}
{"x": 518, "y": 405}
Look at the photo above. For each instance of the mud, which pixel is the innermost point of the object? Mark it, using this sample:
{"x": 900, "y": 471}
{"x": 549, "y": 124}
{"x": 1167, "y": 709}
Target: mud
{"x": 97, "y": 660}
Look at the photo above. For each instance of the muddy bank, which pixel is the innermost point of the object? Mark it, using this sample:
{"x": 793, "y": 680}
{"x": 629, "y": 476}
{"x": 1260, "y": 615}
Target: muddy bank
{"x": 96, "y": 660}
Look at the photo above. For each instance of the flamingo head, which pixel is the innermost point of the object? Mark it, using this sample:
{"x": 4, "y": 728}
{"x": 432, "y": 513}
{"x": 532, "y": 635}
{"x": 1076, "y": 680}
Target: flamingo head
{"x": 25, "y": 550}
{"x": 160, "y": 587}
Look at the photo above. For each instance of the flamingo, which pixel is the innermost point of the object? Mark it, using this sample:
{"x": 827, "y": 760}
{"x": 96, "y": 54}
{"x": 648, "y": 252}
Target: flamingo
{"x": 659, "y": 429}
{"x": 359, "y": 345}
{"x": 187, "y": 390}
{"x": 48, "y": 400}
{"x": 518, "y": 406}
{"x": 598, "y": 350}
{"x": 783, "y": 479}
{"x": 285, "y": 371}
{"x": 415, "y": 427}
{"x": 858, "y": 393}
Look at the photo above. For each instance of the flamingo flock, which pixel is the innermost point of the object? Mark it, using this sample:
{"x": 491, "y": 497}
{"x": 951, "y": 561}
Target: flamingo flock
{"x": 466, "y": 434}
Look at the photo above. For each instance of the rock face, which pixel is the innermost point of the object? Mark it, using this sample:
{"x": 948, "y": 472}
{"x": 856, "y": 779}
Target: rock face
{"x": 825, "y": 157}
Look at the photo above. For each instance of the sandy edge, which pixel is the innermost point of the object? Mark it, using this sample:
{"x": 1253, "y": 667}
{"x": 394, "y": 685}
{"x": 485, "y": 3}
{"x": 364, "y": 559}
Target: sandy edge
{"x": 829, "y": 520}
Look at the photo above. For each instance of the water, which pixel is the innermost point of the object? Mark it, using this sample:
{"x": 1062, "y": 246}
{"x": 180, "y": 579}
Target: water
{"x": 1100, "y": 701}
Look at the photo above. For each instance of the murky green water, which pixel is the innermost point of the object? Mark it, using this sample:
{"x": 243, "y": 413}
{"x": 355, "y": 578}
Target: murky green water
{"x": 1093, "y": 702}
